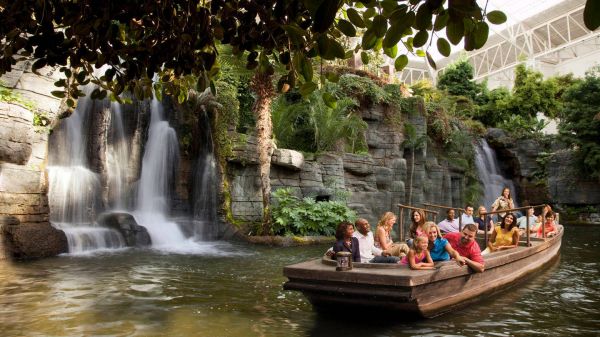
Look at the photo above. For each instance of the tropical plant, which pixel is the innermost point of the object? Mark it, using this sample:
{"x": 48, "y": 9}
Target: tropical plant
{"x": 580, "y": 125}
{"x": 313, "y": 126}
{"x": 533, "y": 94}
{"x": 295, "y": 216}
{"x": 498, "y": 107}
{"x": 457, "y": 80}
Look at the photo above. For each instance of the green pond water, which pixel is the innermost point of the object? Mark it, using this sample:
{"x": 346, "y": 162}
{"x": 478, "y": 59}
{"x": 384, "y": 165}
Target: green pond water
{"x": 227, "y": 289}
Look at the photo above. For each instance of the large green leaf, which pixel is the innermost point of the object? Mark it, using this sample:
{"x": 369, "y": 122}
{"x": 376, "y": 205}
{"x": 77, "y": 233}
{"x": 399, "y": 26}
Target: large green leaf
{"x": 307, "y": 88}
{"x": 379, "y": 25}
{"x": 498, "y": 17}
{"x": 443, "y": 46}
{"x": 346, "y": 27}
{"x": 391, "y": 52}
{"x": 420, "y": 38}
{"x": 481, "y": 33}
{"x": 441, "y": 21}
{"x": 355, "y": 18}
{"x": 329, "y": 100}
{"x": 364, "y": 57}
{"x": 591, "y": 14}
{"x": 369, "y": 40}
{"x": 423, "y": 18}
{"x": 431, "y": 61}
{"x": 455, "y": 31}
{"x": 401, "y": 62}
{"x": 325, "y": 15}
{"x": 295, "y": 34}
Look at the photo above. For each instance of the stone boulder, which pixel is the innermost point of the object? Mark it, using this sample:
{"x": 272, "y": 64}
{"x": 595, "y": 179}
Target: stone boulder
{"x": 30, "y": 240}
{"x": 16, "y": 132}
{"x": 288, "y": 158}
{"x": 358, "y": 165}
{"x": 134, "y": 234}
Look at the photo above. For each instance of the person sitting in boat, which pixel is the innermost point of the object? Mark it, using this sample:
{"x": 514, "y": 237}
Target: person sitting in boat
{"x": 346, "y": 242}
{"x": 383, "y": 236}
{"x": 439, "y": 248}
{"x": 417, "y": 226}
{"x": 505, "y": 236}
{"x": 484, "y": 221}
{"x": 503, "y": 202}
{"x": 467, "y": 216}
{"x": 418, "y": 256}
{"x": 450, "y": 224}
{"x": 366, "y": 242}
{"x": 549, "y": 226}
{"x": 522, "y": 221}
{"x": 464, "y": 243}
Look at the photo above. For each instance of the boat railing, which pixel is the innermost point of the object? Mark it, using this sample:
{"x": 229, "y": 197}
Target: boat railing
{"x": 459, "y": 210}
{"x": 401, "y": 217}
{"x": 527, "y": 229}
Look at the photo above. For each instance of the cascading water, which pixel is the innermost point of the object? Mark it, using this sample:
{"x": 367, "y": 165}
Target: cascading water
{"x": 490, "y": 175}
{"x": 117, "y": 157}
{"x": 74, "y": 190}
{"x": 204, "y": 207}
{"x": 159, "y": 166}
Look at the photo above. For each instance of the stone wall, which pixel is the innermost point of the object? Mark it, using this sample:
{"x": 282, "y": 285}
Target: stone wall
{"x": 377, "y": 181}
{"x": 562, "y": 186}
{"x": 24, "y": 228}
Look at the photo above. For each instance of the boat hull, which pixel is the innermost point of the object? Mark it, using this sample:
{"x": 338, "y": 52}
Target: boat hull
{"x": 418, "y": 292}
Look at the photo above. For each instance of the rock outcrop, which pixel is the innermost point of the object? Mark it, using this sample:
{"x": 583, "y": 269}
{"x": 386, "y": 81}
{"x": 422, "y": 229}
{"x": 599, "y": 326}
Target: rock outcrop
{"x": 30, "y": 240}
{"x": 23, "y": 181}
{"x": 134, "y": 234}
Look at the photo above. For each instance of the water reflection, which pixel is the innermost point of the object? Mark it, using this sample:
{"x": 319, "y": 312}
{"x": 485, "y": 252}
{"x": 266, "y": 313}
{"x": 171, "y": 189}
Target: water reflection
{"x": 236, "y": 290}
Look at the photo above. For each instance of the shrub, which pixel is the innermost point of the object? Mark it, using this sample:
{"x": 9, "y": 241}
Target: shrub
{"x": 294, "y": 216}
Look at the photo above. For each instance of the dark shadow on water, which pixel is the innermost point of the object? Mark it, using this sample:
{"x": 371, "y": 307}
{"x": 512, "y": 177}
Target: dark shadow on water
{"x": 358, "y": 321}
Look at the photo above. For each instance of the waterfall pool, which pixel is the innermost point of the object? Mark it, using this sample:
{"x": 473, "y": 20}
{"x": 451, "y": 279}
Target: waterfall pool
{"x": 233, "y": 289}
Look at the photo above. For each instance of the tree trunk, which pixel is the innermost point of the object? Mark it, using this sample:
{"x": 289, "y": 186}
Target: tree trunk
{"x": 410, "y": 180}
{"x": 262, "y": 86}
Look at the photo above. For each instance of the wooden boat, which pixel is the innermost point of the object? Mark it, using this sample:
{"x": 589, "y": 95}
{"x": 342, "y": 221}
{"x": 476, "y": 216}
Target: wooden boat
{"x": 425, "y": 293}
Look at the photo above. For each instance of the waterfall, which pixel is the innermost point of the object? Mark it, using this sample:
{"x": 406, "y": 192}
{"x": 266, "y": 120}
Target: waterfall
{"x": 159, "y": 166}
{"x": 490, "y": 175}
{"x": 204, "y": 196}
{"x": 74, "y": 192}
{"x": 117, "y": 158}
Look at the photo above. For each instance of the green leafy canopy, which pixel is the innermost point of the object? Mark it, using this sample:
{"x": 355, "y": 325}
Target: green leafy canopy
{"x": 127, "y": 45}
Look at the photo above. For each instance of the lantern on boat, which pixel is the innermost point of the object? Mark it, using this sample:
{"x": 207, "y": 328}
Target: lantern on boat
{"x": 344, "y": 261}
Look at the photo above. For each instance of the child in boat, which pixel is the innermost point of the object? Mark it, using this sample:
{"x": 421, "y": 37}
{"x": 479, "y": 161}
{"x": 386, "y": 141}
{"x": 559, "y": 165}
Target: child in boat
{"x": 550, "y": 227}
{"x": 418, "y": 256}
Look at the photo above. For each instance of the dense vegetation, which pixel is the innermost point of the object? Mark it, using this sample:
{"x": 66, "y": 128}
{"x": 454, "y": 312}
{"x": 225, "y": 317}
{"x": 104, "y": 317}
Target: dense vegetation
{"x": 580, "y": 125}
{"x": 295, "y": 216}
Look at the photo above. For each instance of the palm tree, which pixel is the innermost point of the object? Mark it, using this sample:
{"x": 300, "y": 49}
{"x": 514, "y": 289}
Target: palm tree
{"x": 412, "y": 142}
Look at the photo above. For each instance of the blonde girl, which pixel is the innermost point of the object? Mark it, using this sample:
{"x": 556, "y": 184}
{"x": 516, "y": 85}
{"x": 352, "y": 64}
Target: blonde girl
{"x": 418, "y": 257}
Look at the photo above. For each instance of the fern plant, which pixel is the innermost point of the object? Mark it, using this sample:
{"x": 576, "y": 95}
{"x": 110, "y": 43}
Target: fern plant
{"x": 294, "y": 216}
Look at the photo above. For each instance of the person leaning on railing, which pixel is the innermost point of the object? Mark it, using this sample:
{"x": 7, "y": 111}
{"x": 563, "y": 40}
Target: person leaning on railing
{"x": 464, "y": 243}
